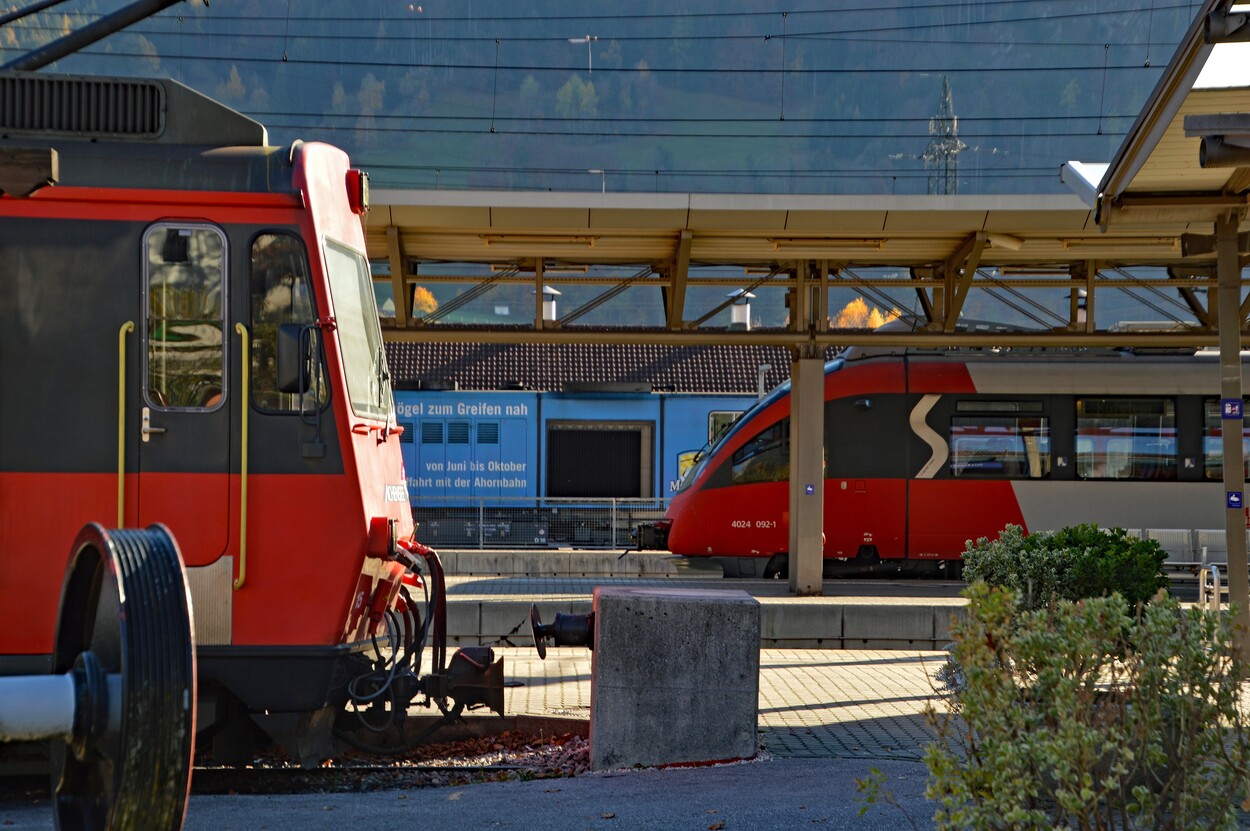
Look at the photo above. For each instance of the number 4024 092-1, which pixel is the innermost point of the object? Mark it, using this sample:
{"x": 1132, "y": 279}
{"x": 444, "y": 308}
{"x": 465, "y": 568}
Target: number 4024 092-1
{"x": 757, "y": 523}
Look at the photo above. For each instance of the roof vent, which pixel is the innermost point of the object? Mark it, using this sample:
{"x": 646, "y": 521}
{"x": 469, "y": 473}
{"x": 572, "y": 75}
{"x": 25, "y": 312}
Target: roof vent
{"x": 606, "y": 386}
{"x": 81, "y": 106}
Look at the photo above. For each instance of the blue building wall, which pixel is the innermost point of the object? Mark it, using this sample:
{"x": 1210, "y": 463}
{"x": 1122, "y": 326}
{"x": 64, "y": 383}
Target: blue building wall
{"x": 469, "y": 443}
{"x": 494, "y": 443}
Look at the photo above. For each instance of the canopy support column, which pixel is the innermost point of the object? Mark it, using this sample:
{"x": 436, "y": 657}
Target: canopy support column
{"x": 1228, "y": 281}
{"x": 807, "y": 470}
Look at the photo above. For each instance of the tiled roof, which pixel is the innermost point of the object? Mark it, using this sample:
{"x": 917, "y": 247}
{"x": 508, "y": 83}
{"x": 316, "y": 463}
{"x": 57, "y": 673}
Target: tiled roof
{"x": 545, "y": 367}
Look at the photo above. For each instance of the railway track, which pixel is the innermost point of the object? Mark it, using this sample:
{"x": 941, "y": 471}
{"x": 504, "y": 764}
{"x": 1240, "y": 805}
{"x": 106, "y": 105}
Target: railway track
{"x": 508, "y": 755}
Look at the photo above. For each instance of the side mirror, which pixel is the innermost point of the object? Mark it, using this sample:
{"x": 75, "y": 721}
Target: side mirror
{"x": 295, "y": 358}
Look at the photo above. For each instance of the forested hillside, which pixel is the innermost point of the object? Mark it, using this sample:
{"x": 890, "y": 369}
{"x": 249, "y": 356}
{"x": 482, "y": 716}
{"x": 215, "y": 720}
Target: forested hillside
{"x": 725, "y": 96}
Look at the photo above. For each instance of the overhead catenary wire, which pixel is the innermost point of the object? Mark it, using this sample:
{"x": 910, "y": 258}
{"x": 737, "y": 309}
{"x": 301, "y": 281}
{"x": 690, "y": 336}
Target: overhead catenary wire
{"x": 251, "y": 21}
{"x": 1128, "y": 66}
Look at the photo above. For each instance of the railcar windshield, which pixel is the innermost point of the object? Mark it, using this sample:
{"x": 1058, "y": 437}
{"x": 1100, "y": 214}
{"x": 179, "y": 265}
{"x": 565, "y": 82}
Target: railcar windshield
{"x": 360, "y": 336}
{"x": 745, "y": 422}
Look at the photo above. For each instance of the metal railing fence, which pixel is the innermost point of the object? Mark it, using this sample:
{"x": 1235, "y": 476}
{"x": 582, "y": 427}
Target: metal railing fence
{"x": 531, "y": 522}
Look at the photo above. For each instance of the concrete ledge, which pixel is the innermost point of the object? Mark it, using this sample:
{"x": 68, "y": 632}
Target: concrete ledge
{"x": 871, "y": 626}
{"x": 943, "y": 618}
{"x": 797, "y": 624}
{"x": 783, "y": 623}
{"x": 562, "y": 562}
{"x": 507, "y": 623}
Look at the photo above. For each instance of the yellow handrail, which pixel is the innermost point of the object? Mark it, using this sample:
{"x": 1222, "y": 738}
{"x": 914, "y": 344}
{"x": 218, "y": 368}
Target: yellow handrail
{"x": 244, "y": 408}
{"x": 127, "y": 327}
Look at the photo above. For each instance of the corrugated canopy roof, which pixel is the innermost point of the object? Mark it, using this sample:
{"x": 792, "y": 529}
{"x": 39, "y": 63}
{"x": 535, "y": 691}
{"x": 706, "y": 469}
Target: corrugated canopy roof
{"x": 1203, "y": 98}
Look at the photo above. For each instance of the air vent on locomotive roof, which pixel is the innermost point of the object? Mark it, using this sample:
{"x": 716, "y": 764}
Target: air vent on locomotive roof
{"x": 161, "y": 110}
{"x": 80, "y": 105}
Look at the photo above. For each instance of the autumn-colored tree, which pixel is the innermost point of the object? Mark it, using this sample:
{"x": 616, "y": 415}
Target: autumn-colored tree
{"x": 880, "y": 318}
{"x": 857, "y": 315}
{"x": 423, "y": 301}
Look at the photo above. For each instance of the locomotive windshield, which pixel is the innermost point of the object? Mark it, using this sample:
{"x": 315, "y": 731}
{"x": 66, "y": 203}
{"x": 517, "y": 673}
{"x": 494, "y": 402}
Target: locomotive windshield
{"x": 360, "y": 336}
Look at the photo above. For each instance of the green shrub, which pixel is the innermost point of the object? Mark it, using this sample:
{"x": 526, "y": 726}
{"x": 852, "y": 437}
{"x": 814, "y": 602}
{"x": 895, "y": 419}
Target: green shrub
{"x": 1068, "y": 564}
{"x": 1081, "y": 715}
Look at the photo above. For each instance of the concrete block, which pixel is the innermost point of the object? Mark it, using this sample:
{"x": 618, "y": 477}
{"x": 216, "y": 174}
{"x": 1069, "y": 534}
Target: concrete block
{"x": 862, "y": 624}
{"x": 802, "y": 621}
{"x": 674, "y": 677}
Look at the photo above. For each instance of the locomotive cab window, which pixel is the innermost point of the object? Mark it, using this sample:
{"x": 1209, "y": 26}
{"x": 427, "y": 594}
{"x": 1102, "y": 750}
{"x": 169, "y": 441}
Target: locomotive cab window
{"x": 1000, "y": 440}
{"x": 1213, "y": 441}
{"x": 185, "y": 316}
{"x": 359, "y": 334}
{"x": 280, "y": 293}
{"x": 1126, "y": 438}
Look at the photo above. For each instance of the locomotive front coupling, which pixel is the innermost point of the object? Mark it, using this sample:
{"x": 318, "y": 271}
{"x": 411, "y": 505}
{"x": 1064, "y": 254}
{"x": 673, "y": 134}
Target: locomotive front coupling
{"x": 567, "y": 630}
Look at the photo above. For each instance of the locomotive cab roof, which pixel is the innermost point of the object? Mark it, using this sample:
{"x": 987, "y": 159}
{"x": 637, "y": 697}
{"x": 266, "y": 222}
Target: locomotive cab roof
{"x": 36, "y": 106}
{"x": 82, "y": 131}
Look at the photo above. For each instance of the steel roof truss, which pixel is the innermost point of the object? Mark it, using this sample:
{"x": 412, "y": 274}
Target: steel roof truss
{"x": 675, "y": 294}
{"x": 964, "y": 270}
{"x": 399, "y": 274}
{"x": 599, "y": 300}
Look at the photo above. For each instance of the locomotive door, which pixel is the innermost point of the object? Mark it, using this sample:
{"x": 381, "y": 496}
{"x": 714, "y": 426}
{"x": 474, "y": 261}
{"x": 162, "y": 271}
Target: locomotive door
{"x": 184, "y": 439}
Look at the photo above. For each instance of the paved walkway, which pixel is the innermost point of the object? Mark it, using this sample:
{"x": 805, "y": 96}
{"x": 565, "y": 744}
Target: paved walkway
{"x": 814, "y": 703}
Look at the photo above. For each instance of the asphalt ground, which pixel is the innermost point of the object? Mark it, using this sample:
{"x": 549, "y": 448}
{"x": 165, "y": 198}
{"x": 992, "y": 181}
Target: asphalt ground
{"x": 826, "y": 717}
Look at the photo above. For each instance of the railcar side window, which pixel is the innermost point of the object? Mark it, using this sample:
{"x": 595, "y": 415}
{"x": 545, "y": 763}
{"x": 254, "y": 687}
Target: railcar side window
{"x": 765, "y": 457}
{"x": 1213, "y": 441}
{"x": 1000, "y": 447}
{"x": 1126, "y": 438}
{"x": 186, "y": 283}
{"x": 280, "y": 293}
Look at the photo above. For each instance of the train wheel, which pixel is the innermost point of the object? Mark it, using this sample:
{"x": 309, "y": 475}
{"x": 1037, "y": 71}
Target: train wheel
{"x": 778, "y": 567}
{"x": 125, "y": 627}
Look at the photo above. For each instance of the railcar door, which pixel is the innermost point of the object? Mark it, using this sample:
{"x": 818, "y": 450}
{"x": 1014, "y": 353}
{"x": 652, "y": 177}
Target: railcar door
{"x": 184, "y": 438}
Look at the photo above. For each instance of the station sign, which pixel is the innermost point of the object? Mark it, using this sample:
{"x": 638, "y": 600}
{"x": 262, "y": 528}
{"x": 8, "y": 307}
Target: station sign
{"x": 1230, "y": 408}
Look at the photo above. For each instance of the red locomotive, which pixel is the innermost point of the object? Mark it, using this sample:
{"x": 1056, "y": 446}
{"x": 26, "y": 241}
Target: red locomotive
{"x": 189, "y": 337}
